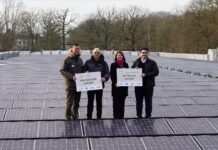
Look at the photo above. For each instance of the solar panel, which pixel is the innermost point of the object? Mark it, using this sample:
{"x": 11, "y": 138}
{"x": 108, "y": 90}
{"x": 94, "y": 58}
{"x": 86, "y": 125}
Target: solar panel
{"x": 167, "y": 111}
{"x": 62, "y": 129}
{"x": 191, "y": 126}
{"x": 23, "y": 114}
{"x": 62, "y": 144}
{"x": 206, "y": 100}
{"x": 32, "y": 96}
{"x": 170, "y": 143}
{"x": 55, "y": 103}
{"x": 105, "y": 128}
{"x": 216, "y": 107}
{"x": 55, "y": 96}
{"x": 41, "y": 96}
{"x": 158, "y": 101}
{"x": 9, "y": 96}
{"x": 214, "y": 122}
{"x": 130, "y": 143}
{"x": 199, "y": 110}
{"x": 18, "y": 130}
{"x": 2, "y": 112}
{"x": 208, "y": 142}
{"x": 179, "y": 100}
{"x": 130, "y": 112}
{"x": 53, "y": 113}
{"x": 5, "y": 104}
{"x": 28, "y": 104}
{"x": 147, "y": 127}
{"x": 16, "y": 145}
{"x": 16, "y": 89}
{"x": 39, "y": 90}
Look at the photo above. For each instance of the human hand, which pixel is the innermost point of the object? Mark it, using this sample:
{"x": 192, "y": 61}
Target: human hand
{"x": 103, "y": 79}
{"x": 70, "y": 53}
{"x": 143, "y": 75}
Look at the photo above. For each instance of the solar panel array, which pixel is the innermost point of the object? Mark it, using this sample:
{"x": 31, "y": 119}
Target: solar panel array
{"x": 32, "y": 101}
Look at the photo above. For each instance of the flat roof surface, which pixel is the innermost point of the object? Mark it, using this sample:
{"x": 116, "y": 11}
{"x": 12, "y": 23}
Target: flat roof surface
{"x": 32, "y": 101}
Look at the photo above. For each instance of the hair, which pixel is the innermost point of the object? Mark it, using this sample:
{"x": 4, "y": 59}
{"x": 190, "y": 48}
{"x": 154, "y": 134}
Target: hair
{"x": 76, "y": 44}
{"x": 96, "y": 48}
{"x": 145, "y": 48}
{"x": 119, "y": 52}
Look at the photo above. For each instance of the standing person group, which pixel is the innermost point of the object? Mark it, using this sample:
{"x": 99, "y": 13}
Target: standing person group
{"x": 73, "y": 64}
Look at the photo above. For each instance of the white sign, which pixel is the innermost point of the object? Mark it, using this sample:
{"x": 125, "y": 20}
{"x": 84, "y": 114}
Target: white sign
{"x": 129, "y": 77}
{"x": 88, "y": 81}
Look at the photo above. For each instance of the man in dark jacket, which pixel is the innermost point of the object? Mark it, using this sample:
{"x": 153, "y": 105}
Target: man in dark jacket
{"x": 72, "y": 64}
{"x": 149, "y": 72}
{"x": 95, "y": 64}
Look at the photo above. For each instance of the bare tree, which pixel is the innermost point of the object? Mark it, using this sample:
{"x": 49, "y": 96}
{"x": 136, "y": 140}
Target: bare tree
{"x": 106, "y": 21}
{"x": 130, "y": 21}
{"x": 30, "y": 25}
{"x": 204, "y": 19}
{"x": 50, "y": 30}
{"x": 64, "y": 21}
{"x": 11, "y": 20}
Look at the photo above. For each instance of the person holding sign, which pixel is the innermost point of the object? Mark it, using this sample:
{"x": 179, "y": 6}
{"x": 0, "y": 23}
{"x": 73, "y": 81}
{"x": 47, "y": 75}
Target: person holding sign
{"x": 149, "y": 72}
{"x": 118, "y": 93}
{"x": 96, "y": 64}
{"x": 72, "y": 64}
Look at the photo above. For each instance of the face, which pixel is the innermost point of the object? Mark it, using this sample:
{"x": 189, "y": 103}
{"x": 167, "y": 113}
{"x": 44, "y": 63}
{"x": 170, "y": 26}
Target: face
{"x": 119, "y": 56}
{"x": 96, "y": 53}
{"x": 76, "y": 50}
{"x": 144, "y": 54}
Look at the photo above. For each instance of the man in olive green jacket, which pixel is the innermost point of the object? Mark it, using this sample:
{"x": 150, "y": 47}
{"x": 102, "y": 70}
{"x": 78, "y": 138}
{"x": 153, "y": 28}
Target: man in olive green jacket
{"x": 72, "y": 64}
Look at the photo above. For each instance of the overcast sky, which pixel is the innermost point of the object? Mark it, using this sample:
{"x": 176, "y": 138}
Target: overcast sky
{"x": 84, "y": 7}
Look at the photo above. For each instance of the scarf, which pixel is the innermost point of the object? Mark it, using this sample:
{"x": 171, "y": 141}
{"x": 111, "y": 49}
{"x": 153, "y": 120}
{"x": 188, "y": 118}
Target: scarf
{"x": 120, "y": 63}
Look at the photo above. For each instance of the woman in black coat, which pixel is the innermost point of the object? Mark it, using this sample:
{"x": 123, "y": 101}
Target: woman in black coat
{"x": 118, "y": 93}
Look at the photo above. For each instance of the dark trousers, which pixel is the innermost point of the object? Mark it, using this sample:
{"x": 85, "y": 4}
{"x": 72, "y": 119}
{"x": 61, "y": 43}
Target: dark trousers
{"x": 147, "y": 93}
{"x": 91, "y": 96}
{"x": 118, "y": 107}
{"x": 72, "y": 104}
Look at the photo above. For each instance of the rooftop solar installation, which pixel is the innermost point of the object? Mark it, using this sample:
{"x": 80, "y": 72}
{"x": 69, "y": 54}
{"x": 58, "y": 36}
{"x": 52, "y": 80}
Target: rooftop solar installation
{"x": 32, "y": 107}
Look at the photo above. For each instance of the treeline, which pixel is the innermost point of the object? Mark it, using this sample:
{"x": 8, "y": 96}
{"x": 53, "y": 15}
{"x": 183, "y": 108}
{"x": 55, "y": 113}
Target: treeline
{"x": 42, "y": 29}
{"x": 190, "y": 30}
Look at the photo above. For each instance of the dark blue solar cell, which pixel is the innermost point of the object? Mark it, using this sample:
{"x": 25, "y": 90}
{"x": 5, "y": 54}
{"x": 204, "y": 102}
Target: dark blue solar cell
{"x": 62, "y": 129}
{"x": 191, "y": 126}
{"x": 170, "y": 143}
{"x": 130, "y": 143}
{"x": 105, "y": 128}
{"x": 62, "y": 144}
{"x": 148, "y": 127}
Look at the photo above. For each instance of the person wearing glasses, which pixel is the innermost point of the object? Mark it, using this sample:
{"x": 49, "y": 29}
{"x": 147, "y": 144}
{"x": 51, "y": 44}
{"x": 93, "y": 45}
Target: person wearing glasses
{"x": 94, "y": 64}
{"x": 149, "y": 72}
